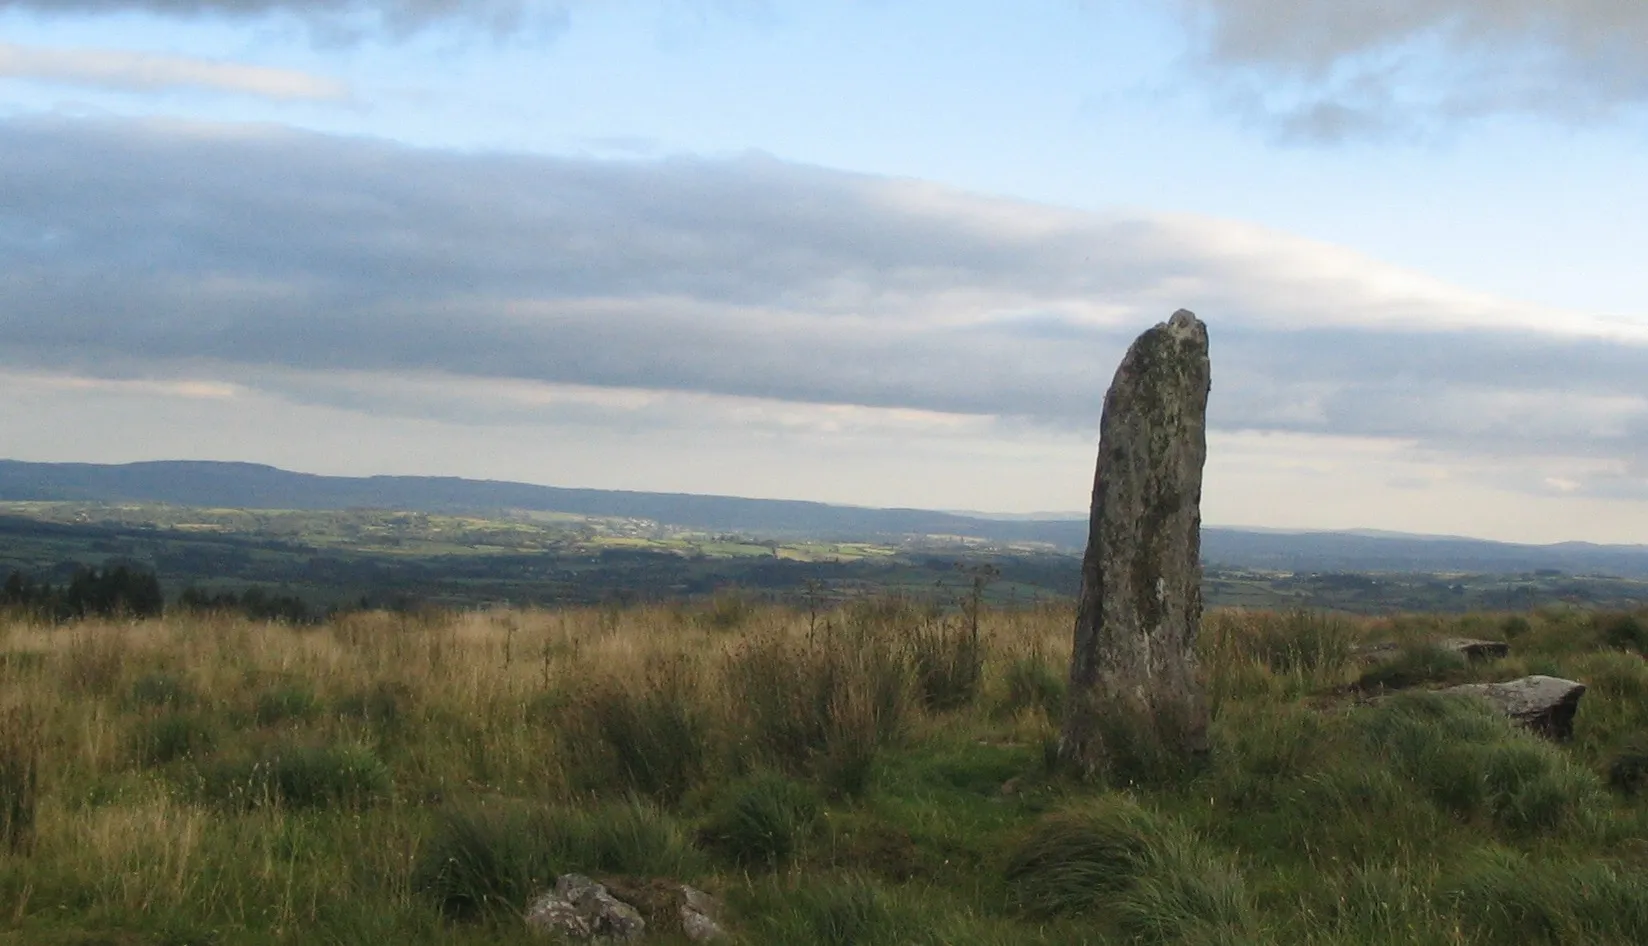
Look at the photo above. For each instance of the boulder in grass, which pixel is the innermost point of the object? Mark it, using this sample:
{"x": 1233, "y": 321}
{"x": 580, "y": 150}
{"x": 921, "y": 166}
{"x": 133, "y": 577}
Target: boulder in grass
{"x": 1469, "y": 648}
{"x": 668, "y": 906}
{"x": 1473, "y": 650}
{"x": 622, "y": 910}
{"x": 1545, "y": 705}
{"x": 581, "y": 909}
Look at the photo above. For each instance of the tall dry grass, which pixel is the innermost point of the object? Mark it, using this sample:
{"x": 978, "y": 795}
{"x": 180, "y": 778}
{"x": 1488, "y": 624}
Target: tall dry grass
{"x": 856, "y": 773}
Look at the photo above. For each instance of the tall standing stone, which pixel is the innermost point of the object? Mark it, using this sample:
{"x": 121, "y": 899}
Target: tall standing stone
{"x": 1136, "y": 707}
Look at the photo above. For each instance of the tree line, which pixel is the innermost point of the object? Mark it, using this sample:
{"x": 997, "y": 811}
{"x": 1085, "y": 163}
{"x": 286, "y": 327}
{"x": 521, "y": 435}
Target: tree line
{"x": 127, "y": 591}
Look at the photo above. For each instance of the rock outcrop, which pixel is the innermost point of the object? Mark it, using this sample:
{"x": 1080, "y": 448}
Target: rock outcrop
{"x": 668, "y": 906}
{"x": 579, "y": 908}
{"x": 1133, "y": 668}
{"x": 1544, "y": 704}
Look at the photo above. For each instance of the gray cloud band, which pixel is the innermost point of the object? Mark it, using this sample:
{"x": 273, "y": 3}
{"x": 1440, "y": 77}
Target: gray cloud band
{"x": 1327, "y": 71}
{"x": 335, "y": 18}
{"x": 134, "y": 249}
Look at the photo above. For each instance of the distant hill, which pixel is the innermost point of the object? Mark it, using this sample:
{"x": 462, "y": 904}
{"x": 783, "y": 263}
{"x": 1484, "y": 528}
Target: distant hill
{"x": 1362, "y": 552}
{"x": 254, "y": 486}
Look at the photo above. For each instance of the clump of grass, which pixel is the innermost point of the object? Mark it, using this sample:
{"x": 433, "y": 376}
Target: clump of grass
{"x": 381, "y": 706}
{"x": 487, "y": 859}
{"x": 1032, "y": 684}
{"x": 290, "y": 702}
{"x": 1627, "y": 768}
{"x": 20, "y": 749}
{"x": 1510, "y": 898}
{"x": 1251, "y": 653}
{"x": 845, "y": 911}
{"x": 95, "y": 660}
{"x": 162, "y": 688}
{"x": 947, "y": 658}
{"x": 1138, "y": 744}
{"x": 763, "y": 820}
{"x": 1623, "y": 631}
{"x": 794, "y": 701}
{"x": 1470, "y": 760}
{"x": 633, "y": 837}
{"x": 1559, "y": 632}
{"x": 483, "y": 860}
{"x": 20, "y": 662}
{"x": 1310, "y": 643}
{"x": 729, "y": 610}
{"x": 173, "y": 735}
{"x": 1417, "y": 663}
{"x": 1115, "y": 861}
{"x": 300, "y": 776}
{"x": 1375, "y": 903}
{"x": 1262, "y": 753}
{"x": 865, "y": 842}
{"x": 653, "y": 740}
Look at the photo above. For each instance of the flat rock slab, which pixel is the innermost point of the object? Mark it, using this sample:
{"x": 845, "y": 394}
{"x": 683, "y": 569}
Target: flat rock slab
{"x": 1472, "y": 649}
{"x": 1468, "y": 647}
{"x": 1544, "y": 704}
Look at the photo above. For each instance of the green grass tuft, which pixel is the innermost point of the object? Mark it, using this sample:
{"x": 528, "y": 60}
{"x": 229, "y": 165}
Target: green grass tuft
{"x": 762, "y": 821}
{"x": 1120, "y": 863}
{"x": 299, "y": 776}
{"x": 291, "y": 702}
{"x": 162, "y": 689}
{"x": 1416, "y": 664}
{"x": 20, "y": 751}
{"x": 1511, "y": 899}
{"x": 174, "y": 735}
{"x": 489, "y": 859}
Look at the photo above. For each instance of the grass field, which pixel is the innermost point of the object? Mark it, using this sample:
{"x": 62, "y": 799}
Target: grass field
{"x": 874, "y": 774}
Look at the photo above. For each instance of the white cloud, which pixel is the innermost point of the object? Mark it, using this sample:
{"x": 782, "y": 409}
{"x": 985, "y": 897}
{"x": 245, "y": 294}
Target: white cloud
{"x": 131, "y": 71}
{"x": 772, "y": 298}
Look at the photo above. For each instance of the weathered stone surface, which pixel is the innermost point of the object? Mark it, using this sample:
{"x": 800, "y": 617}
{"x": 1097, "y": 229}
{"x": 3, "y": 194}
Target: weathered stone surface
{"x": 1468, "y": 647}
{"x": 667, "y": 906}
{"x": 1141, "y": 602}
{"x": 1472, "y": 649}
{"x": 1544, "y": 704}
{"x": 580, "y": 908}
{"x": 698, "y": 915}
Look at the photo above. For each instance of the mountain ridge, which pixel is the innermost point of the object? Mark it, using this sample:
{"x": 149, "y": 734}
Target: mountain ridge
{"x": 229, "y": 484}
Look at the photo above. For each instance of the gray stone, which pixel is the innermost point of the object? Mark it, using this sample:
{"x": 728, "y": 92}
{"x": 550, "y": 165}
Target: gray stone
{"x": 580, "y": 908}
{"x": 1544, "y": 704}
{"x": 1472, "y": 649}
{"x": 668, "y": 905}
{"x": 1468, "y": 647}
{"x": 698, "y": 913}
{"x": 1134, "y": 657}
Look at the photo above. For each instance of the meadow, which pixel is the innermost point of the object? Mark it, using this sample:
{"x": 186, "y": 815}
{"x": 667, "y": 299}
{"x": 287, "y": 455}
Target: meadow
{"x": 879, "y": 772}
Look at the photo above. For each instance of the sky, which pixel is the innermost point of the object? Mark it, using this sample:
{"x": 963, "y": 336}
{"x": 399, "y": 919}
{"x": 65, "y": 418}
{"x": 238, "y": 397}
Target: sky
{"x": 873, "y": 252}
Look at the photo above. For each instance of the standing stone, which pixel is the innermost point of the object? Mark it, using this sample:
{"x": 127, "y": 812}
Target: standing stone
{"x": 1136, "y": 708}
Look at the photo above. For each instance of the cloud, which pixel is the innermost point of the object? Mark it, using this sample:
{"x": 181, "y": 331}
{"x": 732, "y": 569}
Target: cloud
{"x": 1330, "y": 71}
{"x": 372, "y": 276}
{"x": 336, "y": 19}
{"x": 129, "y": 71}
